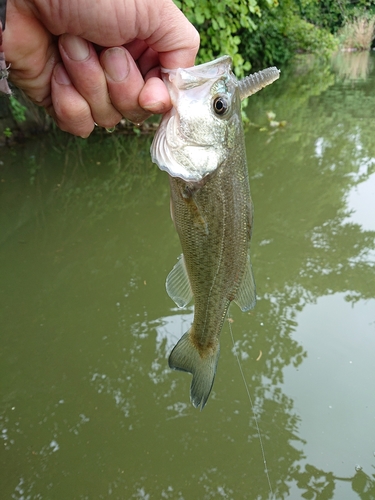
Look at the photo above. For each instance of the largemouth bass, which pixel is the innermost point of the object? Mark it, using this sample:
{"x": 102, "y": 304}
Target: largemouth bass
{"x": 200, "y": 143}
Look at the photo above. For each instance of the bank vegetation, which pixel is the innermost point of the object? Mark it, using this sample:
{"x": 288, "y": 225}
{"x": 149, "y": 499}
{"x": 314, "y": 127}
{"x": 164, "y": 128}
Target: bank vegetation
{"x": 255, "y": 33}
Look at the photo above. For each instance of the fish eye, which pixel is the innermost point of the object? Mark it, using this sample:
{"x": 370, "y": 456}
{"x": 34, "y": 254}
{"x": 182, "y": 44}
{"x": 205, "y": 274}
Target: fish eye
{"x": 220, "y": 105}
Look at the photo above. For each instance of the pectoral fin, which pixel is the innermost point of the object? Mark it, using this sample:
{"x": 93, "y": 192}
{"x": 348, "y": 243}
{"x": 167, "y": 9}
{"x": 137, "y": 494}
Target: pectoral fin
{"x": 178, "y": 284}
{"x": 246, "y": 295}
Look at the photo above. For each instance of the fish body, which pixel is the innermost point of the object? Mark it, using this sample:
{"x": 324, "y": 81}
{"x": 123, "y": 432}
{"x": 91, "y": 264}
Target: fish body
{"x": 200, "y": 143}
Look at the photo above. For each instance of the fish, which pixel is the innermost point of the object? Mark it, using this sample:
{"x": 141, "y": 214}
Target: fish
{"x": 200, "y": 144}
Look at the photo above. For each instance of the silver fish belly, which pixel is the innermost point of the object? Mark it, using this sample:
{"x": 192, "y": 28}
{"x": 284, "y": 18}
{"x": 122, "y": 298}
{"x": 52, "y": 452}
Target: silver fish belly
{"x": 200, "y": 143}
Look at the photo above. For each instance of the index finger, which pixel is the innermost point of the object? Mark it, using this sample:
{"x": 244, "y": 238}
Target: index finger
{"x": 176, "y": 40}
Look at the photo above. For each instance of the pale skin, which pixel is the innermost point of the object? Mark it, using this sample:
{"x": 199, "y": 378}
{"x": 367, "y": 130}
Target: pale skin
{"x": 95, "y": 61}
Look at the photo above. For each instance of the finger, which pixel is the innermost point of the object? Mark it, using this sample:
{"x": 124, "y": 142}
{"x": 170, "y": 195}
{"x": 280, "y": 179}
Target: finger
{"x": 125, "y": 83}
{"x": 70, "y": 110}
{"x": 113, "y": 23}
{"x": 147, "y": 61}
{"x": 83, "y": 67}
{"x": 136, "y": 48}
{"x": 175, "y": 39}
{"x": 154, "y": 96}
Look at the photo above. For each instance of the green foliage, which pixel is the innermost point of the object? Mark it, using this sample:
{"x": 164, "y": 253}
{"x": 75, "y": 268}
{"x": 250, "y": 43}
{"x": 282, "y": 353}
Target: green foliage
{"x": 333, "y": 15}
{"x": 17, "y": 109}
{"x": 269, "y": 44}
{"x": 305, "y": 37}
{"x": 326, "y": 14}
{"x": 262, "y": 32}
{"x": 220, "y": 24}
{"x": 282, "y": 33}
{"x": 8, "y": 133}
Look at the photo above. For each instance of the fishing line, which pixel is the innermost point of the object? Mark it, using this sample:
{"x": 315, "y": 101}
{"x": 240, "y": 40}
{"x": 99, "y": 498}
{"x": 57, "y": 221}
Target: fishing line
{"x": 253, "y": 410}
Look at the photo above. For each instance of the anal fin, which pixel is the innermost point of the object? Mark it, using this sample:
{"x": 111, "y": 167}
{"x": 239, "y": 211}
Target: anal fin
{"x": 246, "y": 295}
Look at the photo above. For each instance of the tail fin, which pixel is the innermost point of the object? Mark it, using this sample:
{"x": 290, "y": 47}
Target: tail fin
{"x": 186, "y": 357}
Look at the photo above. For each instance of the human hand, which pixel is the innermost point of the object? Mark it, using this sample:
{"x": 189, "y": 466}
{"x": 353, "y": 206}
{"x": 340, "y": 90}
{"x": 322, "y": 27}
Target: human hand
{"x": 95, "y": 62}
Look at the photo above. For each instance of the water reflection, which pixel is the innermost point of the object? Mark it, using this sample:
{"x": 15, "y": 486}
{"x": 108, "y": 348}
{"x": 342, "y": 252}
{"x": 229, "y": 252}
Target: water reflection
{"x": 361, "y": 204}
{"x": 352, "y": 66}
{"x": 89, "y": 407}
{"x": 321, "y": 245}
{"x": 347, "y": 340}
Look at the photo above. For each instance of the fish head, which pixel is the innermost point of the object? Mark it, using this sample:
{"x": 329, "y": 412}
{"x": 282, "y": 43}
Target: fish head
{"x": 199, "y": 132}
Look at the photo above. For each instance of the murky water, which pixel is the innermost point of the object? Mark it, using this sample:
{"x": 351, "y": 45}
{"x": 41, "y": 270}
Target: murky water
{"x": 89, "y": 408}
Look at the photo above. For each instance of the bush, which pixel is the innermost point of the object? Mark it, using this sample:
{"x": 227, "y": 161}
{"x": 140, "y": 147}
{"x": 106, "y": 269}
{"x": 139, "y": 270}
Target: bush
{"x": 268, "y": 45}
{"x": 305, "y": 37}
{"x": 265, "y": 32}
{"x": 327, "y": 14}
{"x": 281, "y": 34}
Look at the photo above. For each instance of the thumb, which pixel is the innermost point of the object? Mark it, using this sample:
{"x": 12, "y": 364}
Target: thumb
{"x": 30, "y": 51}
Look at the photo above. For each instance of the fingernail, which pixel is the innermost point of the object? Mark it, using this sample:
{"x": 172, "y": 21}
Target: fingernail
{"x": 61, "y": 76}
{"x": 76, "y": 47}
{"x": 155, "y": 107}
{"x": 116, "y": 64}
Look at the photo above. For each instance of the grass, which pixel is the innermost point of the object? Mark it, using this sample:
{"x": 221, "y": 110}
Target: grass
{"x": 358, "y": 33}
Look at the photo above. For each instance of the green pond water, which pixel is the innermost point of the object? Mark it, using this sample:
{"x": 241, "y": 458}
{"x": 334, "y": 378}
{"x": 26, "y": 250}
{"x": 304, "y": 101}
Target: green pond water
{"x": 88, "y": 406}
